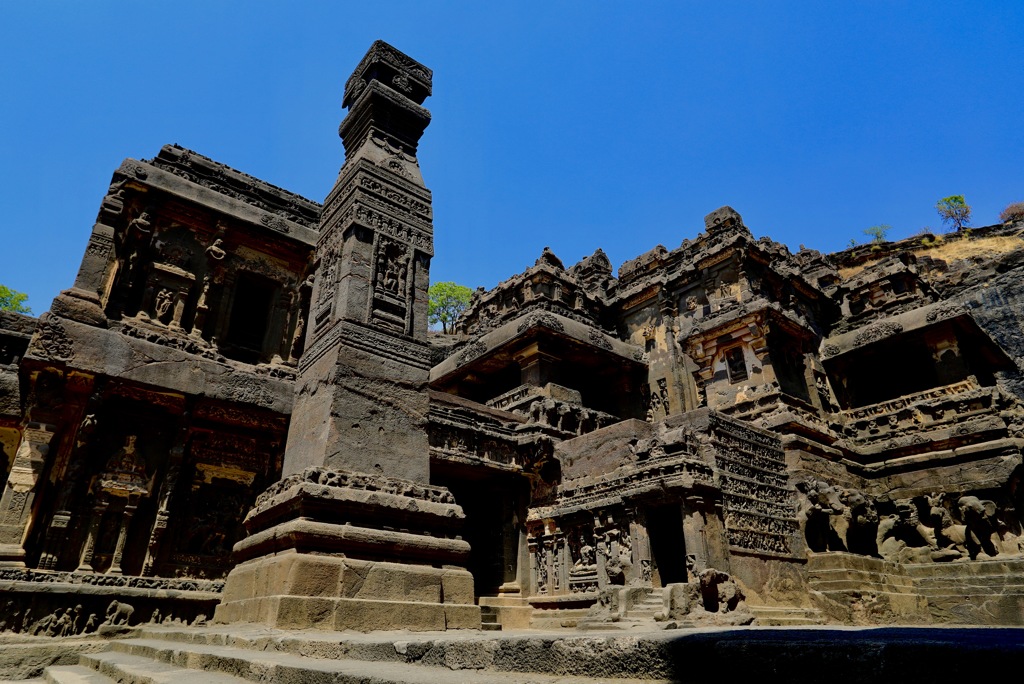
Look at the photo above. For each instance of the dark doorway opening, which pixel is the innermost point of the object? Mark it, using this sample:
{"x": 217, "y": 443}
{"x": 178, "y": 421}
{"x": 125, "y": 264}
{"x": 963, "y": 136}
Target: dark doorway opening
{"x": 250, "y": 313}
{"x": 491, "y": 528}
{"x": 668, "y": 548}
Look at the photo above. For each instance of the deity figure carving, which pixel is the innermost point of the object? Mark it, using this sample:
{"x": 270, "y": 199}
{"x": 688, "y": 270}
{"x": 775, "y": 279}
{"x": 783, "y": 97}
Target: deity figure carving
{"x": 164, "y": 302}
{"x": 216, "y": 251}
{"x": 392, "y": 269}
{"x": 135, "y": 239}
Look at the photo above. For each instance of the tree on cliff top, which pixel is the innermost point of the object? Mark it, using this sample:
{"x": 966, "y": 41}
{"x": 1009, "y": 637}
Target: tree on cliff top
{"x": 445, "y": 302}
{"x": 878, "y": 233}
{"x": 12, "y": 300}
{"x": 954, "y": 211}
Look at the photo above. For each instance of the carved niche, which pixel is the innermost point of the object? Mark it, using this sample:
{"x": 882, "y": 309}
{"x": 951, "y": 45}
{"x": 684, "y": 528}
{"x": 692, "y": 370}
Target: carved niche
{"x": 389, "y": 306}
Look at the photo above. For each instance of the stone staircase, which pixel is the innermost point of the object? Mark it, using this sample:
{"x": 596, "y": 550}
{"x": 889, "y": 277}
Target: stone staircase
{"x": 979, "y": 592}
{"x": 244, "y": 654}
{"x": 489, "y": 619}
{"x": 642, "y": 614}
{"x": 168, "y": 656}
{"x": 872, "y": 589}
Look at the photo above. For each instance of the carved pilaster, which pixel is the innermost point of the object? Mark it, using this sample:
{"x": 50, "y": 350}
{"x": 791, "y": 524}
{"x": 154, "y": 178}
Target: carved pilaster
{"x": 89, "y": 546}
{"x": 21, "y": 490}
{"x": 166, "y": 495}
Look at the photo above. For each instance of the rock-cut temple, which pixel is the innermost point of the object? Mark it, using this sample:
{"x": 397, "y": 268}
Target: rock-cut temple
{"x": 237, "y": 414}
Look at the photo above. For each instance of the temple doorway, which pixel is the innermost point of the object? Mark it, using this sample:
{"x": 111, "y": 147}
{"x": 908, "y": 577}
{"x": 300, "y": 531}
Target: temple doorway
{"x": 668, "y": 549}
{"x": 490, "y": 503}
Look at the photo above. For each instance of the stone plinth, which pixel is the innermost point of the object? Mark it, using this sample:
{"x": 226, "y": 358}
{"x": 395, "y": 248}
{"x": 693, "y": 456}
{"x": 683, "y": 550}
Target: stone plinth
{"x": 334, "y": 550}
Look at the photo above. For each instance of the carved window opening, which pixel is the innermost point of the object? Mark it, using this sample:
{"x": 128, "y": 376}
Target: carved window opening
{"x": 736, "y": 365}
{"x": 251, "y": 305}
{"x": 12, "y": 348}
{"x": 790, "y": 366}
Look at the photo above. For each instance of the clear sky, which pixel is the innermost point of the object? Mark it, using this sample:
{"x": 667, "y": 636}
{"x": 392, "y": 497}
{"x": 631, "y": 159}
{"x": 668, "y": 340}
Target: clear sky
{"x": 570, "y": 124}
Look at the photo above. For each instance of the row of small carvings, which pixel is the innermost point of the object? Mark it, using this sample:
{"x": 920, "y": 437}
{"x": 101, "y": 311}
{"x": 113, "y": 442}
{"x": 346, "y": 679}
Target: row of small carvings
{"x": 918, "y": 409}
{"x": 92, "y": 579}
{"x": 72, "y": 621}
{"x": 962, "y": 391}
{"x": 460, "y": 440}
{"x": 190, "y": 345}
{"x": 683, "y": 472}
{"x": 332, "y": 478}
{"x": 941, "y": 526}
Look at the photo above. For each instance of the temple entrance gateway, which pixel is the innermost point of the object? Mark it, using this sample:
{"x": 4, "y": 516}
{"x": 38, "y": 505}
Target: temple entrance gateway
{"x": 668, "y": 547}
{"x": 492, "y": 527}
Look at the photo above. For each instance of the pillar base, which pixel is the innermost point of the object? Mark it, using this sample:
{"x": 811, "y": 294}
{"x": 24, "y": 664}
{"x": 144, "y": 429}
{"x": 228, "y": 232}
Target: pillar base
{"x": 12, "y": 556}
{"x": 348, "y": 551}
{"x": 302, "y": 591}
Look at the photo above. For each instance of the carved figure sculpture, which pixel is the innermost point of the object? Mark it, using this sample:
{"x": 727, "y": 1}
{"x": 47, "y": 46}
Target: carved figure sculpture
{"x": 821, "y": 503}
{"x": 216, "y": 250}
{"x": 902, "y": 538}
{"x": 949, "y": 536}
{"x": 982, "y": 536}
{"x": 118, "y": 613}
{"x": 164, "y": 301}
{"x": 860, "y": 520}
{"x": 618, "y": 565}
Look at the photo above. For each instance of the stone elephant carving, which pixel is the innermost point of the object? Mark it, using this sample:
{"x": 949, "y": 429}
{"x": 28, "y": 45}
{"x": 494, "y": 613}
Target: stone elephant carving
{"x": 857, "y": 527}
{"x": 821, "y": 503}
{"x": 984, "y": 534}
{"x": 119, "y": 613}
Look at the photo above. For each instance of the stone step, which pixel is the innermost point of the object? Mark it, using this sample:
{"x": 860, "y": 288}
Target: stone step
{"x": 74, "y": 674}
{"x": 150, "y": 661}
{"x": 556, "y": 619}
{"x": 557, "y": 652}
{"x": 784, "y": 616}
{"x": 127, "y": 668}
{"x": 858, "y": 585}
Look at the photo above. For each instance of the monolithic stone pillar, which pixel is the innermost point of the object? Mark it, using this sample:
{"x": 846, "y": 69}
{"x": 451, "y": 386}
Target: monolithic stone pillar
{"x": 20, "y": 492}
{"x": 354, "y": 537}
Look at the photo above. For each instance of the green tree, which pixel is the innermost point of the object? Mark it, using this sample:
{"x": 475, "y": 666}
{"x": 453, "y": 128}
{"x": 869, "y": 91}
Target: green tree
{"x": 12, "y": 300}
{"x": 954, "y": 211}
{"x": 878, "y": 233}
{"x": 445, "y": 302}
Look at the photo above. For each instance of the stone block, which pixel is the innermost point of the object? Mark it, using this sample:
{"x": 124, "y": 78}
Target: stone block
{"x": 393, "y": 582}
{"x": 241, "y": 584}
{"x": 313, "y": 575}
{"x": 367, "y": 616}
{"x": 305, "y": 612}
{"x": 457, "y": 586}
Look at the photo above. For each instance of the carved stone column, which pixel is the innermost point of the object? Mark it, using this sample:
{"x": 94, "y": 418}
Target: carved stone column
{"x": 89, "y": 547}
{"x": 694, "y": 536}
{"x": 533, "y": 548}
{"x": 324, "y": 547}
{"x": 166, "y": 495}
{"x": 20, "y": 492}
{"x": 641, "y": 544}
{"x": 122, "y": 536}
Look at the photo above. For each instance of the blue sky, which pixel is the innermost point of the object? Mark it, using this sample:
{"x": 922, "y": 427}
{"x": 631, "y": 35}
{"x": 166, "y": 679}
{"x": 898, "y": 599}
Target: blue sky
{"x": 570, "y": 124}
